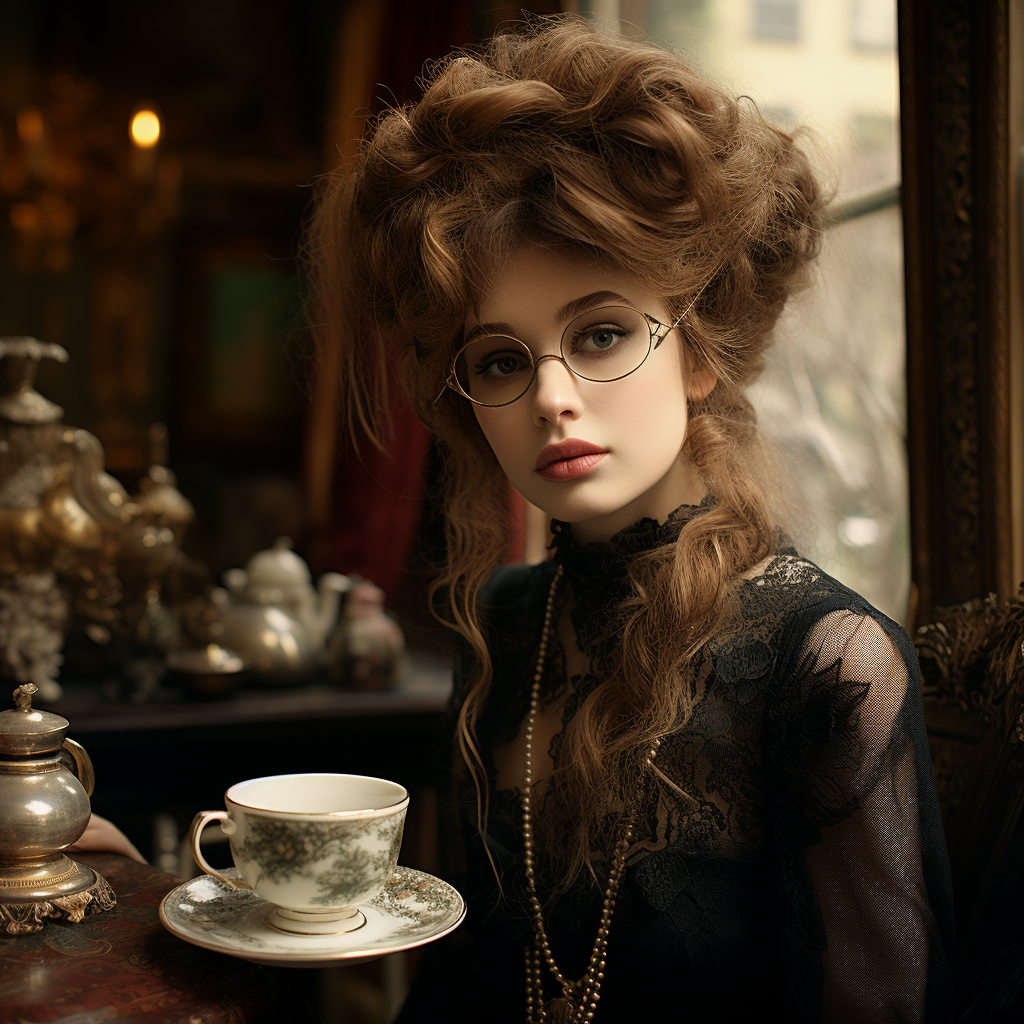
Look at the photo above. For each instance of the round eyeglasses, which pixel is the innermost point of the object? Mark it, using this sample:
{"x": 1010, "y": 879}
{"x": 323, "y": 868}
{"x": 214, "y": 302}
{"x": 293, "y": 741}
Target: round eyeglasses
{"x": 603, "y": 344}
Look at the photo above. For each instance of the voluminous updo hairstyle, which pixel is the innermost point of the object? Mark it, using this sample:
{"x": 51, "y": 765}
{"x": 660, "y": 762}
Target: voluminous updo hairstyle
{"x": 555, "y": 133}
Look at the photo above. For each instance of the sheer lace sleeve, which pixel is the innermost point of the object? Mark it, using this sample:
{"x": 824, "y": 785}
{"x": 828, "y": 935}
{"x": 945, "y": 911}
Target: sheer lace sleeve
{"x": 855, "y": 787}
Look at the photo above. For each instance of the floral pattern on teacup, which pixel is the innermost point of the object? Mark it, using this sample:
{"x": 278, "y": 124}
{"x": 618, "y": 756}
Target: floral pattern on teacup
{"x": 357, "y": 867}
{"x": 343, "y": 858}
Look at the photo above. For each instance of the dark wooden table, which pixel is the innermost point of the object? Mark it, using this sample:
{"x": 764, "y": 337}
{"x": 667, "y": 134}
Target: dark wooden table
{"x": 122, "y": 965}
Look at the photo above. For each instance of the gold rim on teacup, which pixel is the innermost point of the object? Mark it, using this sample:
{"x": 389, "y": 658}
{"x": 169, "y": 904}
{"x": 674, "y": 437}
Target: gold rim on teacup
{"x": 359, "y": 812}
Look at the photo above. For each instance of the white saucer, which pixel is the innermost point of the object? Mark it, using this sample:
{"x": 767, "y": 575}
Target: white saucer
{"x": 414, "y": 908}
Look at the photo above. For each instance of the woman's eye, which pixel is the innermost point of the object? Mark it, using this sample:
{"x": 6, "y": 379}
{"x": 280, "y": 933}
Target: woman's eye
{"x": 500, "y": 364}
{"x": 597, "y": 339}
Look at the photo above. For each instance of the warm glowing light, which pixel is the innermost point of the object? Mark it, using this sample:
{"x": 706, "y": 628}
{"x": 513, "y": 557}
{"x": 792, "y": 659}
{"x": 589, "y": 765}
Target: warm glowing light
{"x": 145, "y": 129}
{"x": 30, "y": 124}
{"x": 24, "y": 216}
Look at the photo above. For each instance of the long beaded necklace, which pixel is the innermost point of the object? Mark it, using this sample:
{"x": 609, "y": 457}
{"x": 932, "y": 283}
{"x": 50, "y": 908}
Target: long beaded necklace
{"x": 578, "y": 1001}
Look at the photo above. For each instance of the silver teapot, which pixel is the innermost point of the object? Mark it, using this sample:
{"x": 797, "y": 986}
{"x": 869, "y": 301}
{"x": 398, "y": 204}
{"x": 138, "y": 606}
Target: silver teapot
{"x": 274, "y": 618}
{"x": 45, "y": 783}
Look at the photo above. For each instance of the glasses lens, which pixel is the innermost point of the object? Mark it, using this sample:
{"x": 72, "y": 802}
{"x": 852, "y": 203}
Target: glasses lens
{"x": 494, "y": 370}
{"x": 606, "y": 343}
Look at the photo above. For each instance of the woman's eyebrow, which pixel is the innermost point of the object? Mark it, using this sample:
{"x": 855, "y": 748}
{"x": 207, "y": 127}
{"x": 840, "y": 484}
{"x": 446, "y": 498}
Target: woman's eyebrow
{"x": 476, "y": 332}
{"x": 571, "y": 309}
{"x": 574, "y": 307}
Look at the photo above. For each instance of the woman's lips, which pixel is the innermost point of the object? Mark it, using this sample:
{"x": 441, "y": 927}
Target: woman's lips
{"x": 570, "y": 448}
{"x": 568, "y": 460}
{"x": 571, "y": 468}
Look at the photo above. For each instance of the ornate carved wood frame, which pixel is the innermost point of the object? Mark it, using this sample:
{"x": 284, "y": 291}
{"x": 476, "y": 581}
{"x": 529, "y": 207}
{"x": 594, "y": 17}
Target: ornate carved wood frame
{"x": 954, "y": 67}
{"x": 954, "y": 94}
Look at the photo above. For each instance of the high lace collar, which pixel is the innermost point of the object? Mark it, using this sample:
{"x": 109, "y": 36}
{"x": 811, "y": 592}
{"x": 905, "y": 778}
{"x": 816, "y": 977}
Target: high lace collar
{"x": 598, "y": 572}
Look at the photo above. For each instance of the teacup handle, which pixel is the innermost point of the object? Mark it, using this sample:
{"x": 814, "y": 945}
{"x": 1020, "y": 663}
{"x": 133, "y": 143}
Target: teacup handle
{"x": 199, "y": 822}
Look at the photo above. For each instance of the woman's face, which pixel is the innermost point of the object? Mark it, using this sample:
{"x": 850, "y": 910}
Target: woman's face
{"x": 632, "y": 429}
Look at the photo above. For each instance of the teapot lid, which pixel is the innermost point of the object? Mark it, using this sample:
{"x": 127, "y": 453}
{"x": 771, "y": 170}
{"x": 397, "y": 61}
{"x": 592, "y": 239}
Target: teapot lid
{"x": 24, "y": 730}
{"x": 159, "y": 494}
{"x": 277, "y": 566}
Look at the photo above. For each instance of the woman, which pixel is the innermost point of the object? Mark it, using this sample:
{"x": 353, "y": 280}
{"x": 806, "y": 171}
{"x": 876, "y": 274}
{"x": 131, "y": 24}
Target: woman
{"x": 696, "y": 774}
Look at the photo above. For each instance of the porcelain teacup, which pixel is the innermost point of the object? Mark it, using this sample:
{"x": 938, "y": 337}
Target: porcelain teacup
{"x": 316, "y": 846}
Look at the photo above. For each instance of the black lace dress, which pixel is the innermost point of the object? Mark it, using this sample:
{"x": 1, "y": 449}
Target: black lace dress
{"x": 805, "y": 879}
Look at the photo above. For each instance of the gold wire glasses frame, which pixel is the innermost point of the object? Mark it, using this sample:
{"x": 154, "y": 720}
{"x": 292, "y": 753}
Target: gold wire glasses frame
{"x": 658, "y": 333}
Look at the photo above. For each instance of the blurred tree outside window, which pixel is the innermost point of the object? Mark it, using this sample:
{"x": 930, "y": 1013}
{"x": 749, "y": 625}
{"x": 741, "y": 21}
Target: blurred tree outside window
{"x": 832, "y": 398}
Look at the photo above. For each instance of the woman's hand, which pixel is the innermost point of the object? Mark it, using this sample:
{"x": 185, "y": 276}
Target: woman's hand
{"x": 102, "y": 836}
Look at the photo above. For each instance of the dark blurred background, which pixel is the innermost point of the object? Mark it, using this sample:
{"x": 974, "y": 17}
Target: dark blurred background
{"x": 169, "y": 272}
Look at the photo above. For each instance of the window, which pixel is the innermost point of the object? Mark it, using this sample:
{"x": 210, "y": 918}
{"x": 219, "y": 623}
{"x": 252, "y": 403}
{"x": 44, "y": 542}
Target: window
{"x": 873, "y": 24}
{"x": 832, "y": 396}
{"x": 776, "y": 19}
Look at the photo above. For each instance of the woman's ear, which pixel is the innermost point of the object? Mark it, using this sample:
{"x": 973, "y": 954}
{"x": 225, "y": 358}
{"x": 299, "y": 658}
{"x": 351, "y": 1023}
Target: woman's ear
{"x": 700, "y": 384}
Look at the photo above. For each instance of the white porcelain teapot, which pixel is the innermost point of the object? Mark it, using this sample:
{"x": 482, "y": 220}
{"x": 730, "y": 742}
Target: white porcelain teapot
{"x": 274, "y": 618}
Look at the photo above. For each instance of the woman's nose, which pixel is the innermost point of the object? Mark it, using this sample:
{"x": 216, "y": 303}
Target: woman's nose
{"x": 555, "y": 394}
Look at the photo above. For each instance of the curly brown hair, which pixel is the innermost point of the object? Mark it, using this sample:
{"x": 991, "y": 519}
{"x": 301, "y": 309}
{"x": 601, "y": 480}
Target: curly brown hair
{"x": 555, "y": 133}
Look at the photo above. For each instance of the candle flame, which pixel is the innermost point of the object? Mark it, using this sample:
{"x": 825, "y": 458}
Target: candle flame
{"x": 145, "y": 129}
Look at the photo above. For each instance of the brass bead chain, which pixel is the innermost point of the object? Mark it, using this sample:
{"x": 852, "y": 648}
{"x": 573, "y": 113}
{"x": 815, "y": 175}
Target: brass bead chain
{"x": 578, "y": 1002}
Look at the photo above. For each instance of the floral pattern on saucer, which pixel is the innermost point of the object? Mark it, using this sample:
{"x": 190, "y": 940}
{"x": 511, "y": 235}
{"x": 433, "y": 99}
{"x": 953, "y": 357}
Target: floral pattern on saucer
{"x": 414, "y": 908}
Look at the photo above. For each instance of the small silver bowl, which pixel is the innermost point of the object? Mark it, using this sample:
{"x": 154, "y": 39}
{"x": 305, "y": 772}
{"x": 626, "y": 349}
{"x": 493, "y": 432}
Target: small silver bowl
{"x": 210, "y": 671}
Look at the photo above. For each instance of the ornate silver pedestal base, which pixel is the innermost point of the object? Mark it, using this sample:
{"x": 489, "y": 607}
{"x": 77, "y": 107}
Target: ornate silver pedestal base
{"x": 71, "y": 893}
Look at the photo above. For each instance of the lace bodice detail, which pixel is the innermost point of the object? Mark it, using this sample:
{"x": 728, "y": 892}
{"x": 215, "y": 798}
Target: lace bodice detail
{"x": 802, "y": 812}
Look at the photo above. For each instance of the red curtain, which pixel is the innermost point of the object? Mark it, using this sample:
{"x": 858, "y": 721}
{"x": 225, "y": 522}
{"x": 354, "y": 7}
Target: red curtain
{"x": 377, "y": 502}
{"x": 365, "y": 510}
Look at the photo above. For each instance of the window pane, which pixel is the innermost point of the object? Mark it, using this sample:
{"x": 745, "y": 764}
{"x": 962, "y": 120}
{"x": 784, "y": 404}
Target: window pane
{"x": 832, "y": 396}
{"x": 776, "y": 19}
{"x": 874, "y": 24}
{"x": 833, "y": 400}
{"x": 833, "y": 76}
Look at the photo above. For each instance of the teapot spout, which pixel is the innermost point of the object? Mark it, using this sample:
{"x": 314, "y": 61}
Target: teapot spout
{"x": 329, "y": 587}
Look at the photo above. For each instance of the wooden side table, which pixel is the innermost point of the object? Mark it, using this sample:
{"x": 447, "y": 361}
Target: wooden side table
{"x": 123, "y": 965}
